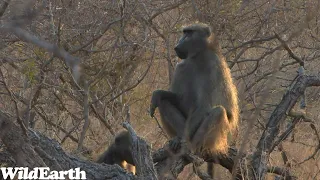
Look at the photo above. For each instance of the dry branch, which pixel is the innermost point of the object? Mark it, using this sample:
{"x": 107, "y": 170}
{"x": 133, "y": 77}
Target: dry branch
{"x": 41, "y": 151}
{"x": 291, "y": 54}
{"x": 141, "y": 153}
{"x": 317, "y": 149}
{"x": 71, "y": 61}
{"x": 18, "y": 144}
{"x": 289, "y": 99}
{"x": 163, "y": 155}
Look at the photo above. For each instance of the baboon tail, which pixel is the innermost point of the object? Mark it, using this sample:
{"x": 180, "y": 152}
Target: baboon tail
{"x": 210, "y": 169}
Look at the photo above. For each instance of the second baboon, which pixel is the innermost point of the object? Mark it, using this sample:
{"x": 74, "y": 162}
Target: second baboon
{"x": 201, "y": 105}
{"x": 119, "y": 152}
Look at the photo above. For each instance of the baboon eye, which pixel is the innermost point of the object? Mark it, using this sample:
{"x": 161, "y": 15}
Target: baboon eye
{"x": 187, "y": 32}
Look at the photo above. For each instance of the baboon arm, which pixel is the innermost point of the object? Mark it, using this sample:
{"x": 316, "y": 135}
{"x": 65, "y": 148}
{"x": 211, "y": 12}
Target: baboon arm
{"x": 160, "y": 95}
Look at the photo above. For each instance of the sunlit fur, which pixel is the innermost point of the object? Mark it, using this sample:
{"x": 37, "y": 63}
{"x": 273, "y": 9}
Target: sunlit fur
{"x": 225, "y": 110}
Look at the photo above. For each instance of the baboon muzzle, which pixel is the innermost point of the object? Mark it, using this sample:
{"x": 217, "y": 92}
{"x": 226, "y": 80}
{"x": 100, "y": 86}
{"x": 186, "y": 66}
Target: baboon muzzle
{"x": 180, "y": 53}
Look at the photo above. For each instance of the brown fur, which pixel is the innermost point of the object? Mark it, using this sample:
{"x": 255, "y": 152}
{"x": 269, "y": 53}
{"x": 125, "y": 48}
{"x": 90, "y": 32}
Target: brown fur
{"x": 225, "y": 96}
{"x": 201, "y": 105}
{"x": 230, "y": 98}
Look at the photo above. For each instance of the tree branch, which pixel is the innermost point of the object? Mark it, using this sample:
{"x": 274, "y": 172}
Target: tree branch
{"x": 291, "y": 54}
{"x": 71, "y": 61}
{"x": 289, "y": 99}
{"x": 141, "y": 153}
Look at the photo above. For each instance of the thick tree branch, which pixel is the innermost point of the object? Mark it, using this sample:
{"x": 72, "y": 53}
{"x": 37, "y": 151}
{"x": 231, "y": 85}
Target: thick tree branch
{"x": 141, "y": 153}
{"x": 18, "y": 144}
{"x": 265, "y": 144}
{"x": 41, "y": 151}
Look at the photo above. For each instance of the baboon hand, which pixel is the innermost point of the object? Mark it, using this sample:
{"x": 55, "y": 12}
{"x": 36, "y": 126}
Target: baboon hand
{"x": 152, "y": 109}
{"x": 175, "y": 144}
{"x": 154, "y": 102}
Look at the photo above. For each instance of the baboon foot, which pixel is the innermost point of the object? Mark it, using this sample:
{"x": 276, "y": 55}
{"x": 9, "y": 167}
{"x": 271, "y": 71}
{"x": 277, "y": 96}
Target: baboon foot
{"x": 175, "y": 144}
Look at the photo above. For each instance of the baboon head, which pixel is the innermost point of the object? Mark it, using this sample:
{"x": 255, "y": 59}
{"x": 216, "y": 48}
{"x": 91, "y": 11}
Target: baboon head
{"x": 122, "y": 140}
{"x": 193, "y": 41}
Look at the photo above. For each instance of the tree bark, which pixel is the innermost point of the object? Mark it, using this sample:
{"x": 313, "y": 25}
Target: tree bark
{"x": 265, "y": 144}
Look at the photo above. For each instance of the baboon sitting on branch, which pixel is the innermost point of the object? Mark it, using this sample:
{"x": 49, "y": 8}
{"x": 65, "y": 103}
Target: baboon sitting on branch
{"x": 201, "y": 105}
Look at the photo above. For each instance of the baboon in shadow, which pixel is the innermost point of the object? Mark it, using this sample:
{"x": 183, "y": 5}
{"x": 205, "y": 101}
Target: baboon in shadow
{"x": 119, "y": 152}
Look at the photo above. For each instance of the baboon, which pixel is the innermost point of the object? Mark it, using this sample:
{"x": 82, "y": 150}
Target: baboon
{"x": 119, "y": 152}
{"x": 201, "y": 105}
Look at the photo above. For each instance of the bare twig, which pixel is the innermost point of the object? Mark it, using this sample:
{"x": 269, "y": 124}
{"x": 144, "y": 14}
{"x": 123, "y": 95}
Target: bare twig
{"x": 159, "y": 126}
{"x": 284, "y": 135}
{"x": 317, "y": 148}
{"x": 267, "y": 139}
{"x": 107, "y": 27}
{"x": 291, "y": 54}
{"x": 252, "y": 42}
{"x": 71, "y": 61}
{"x": 12, "y": 96}
{"x": 4, "y": 7}
{"x": 284, "y": 155}
{"x": 283, "y": 172}
{"x": 165, "y": 9}
{"x": 138, "y": 81}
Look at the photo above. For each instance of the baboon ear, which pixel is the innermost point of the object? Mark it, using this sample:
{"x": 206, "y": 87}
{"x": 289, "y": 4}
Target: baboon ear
{"x": 207, "y": 31}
